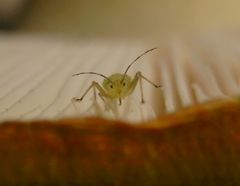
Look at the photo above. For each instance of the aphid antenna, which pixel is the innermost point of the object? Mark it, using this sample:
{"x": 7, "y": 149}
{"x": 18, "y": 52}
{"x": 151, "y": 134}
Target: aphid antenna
{"x": 94, "y": 74}
{"x": 136, "y": 60}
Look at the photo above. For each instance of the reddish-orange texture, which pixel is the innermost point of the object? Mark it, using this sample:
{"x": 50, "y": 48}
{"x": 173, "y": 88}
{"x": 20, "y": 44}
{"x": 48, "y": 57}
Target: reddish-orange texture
{"x": 196, "y": 146}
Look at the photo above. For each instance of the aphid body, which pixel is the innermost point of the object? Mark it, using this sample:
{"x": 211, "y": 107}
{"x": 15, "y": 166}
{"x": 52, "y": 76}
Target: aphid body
{"x": 117, "y": 86}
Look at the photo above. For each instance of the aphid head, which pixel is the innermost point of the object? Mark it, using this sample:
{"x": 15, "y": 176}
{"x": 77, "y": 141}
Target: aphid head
{"x": 116, "y": 87}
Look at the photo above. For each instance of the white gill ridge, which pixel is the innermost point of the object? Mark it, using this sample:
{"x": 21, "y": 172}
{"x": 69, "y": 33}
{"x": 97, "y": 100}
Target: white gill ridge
{"x": 36, "y": 76}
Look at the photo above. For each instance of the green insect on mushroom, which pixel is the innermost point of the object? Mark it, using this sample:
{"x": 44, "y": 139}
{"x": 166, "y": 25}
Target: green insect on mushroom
{"x": 117, "y": 86}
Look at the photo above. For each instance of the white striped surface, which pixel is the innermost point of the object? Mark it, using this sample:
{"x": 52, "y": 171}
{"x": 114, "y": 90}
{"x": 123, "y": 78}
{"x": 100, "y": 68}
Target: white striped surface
{"x": 36, "y": 76}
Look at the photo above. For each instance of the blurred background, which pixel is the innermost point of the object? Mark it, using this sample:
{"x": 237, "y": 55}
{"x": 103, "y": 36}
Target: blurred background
{"x": 152, "y": 19}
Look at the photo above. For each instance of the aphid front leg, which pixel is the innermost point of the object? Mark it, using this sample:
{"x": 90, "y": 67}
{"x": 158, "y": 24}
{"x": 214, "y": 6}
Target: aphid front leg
{"x": 149, "y": 81}
{"x": 85, "y": 93}
{"x": 139, "y": 77}
{"x": 93, "y": 86}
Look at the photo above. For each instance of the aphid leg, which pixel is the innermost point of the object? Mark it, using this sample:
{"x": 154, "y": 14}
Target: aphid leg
{"x": 100, "y": 89}
{"x": 85, "y": 93}
{"x": 101, "y": 97}
{"x": 120, "y": 101}
{"x": 139, "y": 77}
{"x": 107, "y": 104}
{"x": 94, "y": 93}
{"x": 141, "y": 90}
{"x": 134, "y": 84}
{"x": 149, "y": 81}
{"x": 102, "y": 94}
{"x": 74, "y": 100}
{"x": 95, "y": 86}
